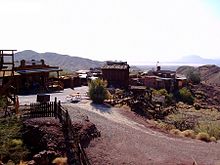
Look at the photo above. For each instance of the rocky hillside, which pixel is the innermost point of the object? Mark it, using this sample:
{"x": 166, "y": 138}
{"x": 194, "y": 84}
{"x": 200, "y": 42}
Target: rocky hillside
{"x": 210, "y": 74}
{"x": 65, "y": 62}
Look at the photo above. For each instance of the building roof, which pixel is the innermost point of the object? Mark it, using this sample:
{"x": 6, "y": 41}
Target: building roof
{"x": 116, "y": 65}
{"x": 166, "y": 71}
{"x": 40, "y": 70}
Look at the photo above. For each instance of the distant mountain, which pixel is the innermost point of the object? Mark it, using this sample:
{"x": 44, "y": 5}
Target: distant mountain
{"x": 195, "y": 59}
{"x": 65, "y": 62}
{"x": 210, "y": 74}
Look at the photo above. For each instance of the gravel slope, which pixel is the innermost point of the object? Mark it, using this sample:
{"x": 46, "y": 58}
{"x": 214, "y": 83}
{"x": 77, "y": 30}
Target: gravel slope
{"x": 128, "y": 139}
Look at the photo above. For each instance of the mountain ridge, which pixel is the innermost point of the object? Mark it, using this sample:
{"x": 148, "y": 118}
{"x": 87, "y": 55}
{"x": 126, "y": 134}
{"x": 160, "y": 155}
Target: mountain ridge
{"x": 196, "y": 59}
{"x": 65, "y": 62}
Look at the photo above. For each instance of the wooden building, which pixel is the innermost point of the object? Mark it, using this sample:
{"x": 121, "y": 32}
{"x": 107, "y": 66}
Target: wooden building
{"x": 71, "y": 80}
{"x": 116, "y": 74}
{"x": 164, "y": 79}
{"x": 35, "y": 77}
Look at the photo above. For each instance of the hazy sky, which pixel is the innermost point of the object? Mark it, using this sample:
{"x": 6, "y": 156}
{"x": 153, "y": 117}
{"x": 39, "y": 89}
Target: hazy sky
{"x": 138, "y": 31}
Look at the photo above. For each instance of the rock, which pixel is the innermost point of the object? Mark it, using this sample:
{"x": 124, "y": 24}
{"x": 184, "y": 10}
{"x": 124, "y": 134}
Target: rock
{"x": 86, "y": 131}
{"x": 45, "y": 157}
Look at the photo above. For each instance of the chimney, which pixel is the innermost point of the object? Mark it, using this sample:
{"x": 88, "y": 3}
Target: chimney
{"x": 42, "y": 62}
{"x": 158, "y": 68}
{"x": 33, "y": 62}
{"x": 22, "y": 63}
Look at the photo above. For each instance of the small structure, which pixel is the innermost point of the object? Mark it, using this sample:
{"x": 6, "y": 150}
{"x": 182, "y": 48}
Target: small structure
{"x": 164, "y": 79}
{"x": 116, "y": 74}
{"x": 71, "y": 80}
{"x": 34, "y": 77}
{"x": 7, "y": 75}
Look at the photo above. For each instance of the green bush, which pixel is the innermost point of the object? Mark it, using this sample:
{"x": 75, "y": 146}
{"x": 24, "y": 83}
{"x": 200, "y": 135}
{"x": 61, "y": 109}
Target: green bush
{"x": 193, "y": 77}
{"x": 11, "y": 144}
{"x": 186, "y": 96}
{"x": 98, "y": 91}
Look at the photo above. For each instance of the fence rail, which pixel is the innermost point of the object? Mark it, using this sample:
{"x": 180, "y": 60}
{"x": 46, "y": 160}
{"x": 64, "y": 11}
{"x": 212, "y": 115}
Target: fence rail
{"x": 55, "y": 109}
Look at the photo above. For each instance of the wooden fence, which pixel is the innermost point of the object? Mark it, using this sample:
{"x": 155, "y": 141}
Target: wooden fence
{"x": 55, "y": 109}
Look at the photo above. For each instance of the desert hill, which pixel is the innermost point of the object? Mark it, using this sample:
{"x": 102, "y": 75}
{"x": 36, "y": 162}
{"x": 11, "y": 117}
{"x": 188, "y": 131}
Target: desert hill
{"x": 210, "y": 74}
{"x": 65, "y": 62}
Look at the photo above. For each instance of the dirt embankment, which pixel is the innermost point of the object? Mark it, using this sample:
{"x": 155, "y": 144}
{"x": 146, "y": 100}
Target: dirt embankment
{"x": 47, "y": 141}
{"x": 207, "y": 96}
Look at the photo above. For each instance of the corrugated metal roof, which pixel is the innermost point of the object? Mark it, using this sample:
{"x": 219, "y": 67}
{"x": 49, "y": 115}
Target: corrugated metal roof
{"x": 29, "y": 71}
{"x": 116, "y": 66}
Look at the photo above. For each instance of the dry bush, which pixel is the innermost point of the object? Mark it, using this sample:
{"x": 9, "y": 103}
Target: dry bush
{"x": 211, "y": 128}
{"x": 203, "y": 136}
{"x": 23, "y": 163}
{"x": 60, "y": 161}
{"x": 189, "y": 133}
{"x": 182, "y": 121}
{"x": 213, "y": 139}
{"x": 176, "y": 132}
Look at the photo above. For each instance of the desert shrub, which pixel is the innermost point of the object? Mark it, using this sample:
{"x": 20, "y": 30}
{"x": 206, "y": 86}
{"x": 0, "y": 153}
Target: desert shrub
{"x": 176, "y": 132}
{"x": 193, "y": 77}
{"x": 169, "y": 98}
{"x": 16, "y": 142}
{"x": 98, "y": 91}
{"x": 211, "y": 128}
{"x": 181, "y": 121}
{"x": 60, "y": 161}
{"x": 164, "y": 126}
{"x": 189, "y": 133}
{"x": 203, "y": 136}
{"x": 186, "y": 96}
{"x": 197, "y": 106}
{"x": 3, "y": 102}
{"x": 213, "y": 139}
{"x": 11, "y": 147}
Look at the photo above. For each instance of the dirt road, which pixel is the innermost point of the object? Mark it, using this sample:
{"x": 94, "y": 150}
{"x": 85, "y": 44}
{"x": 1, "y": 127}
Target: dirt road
{"x": 128, "y": 139}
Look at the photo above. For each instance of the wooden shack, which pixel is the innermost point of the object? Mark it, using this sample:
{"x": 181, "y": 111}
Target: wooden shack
{"x": 116, "y": 74}
{"x": 71, "y": 81}
{"x": 34, "y": 77}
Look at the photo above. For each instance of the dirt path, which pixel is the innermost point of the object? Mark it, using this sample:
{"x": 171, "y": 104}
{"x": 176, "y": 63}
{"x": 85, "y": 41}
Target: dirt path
{"x": 128, "y": 139}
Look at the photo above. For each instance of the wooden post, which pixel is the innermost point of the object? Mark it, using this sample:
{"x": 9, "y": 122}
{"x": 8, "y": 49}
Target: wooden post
{"x": 55, "y": 108}
{"x": 59, "y": 111}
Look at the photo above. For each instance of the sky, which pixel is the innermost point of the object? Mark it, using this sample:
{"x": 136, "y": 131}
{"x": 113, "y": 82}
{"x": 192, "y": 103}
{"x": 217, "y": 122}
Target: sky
{"x": 137, "y": 31}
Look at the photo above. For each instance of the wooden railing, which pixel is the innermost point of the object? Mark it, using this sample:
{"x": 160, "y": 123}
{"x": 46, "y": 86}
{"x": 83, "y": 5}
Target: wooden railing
{"x": 55, "y": 109}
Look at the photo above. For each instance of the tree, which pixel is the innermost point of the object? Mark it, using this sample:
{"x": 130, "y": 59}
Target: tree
{"x": 98, "y": 91}
{"x": 193, "y": 76}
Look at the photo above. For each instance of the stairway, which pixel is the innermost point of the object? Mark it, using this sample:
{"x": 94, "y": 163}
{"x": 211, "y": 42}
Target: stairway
{"x": 7, "y": 80}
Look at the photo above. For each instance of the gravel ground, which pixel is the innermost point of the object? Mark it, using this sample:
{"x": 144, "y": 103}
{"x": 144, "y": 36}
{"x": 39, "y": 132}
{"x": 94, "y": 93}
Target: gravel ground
{"x": 127, "y": 138}
{"x": 61, "y": 95}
